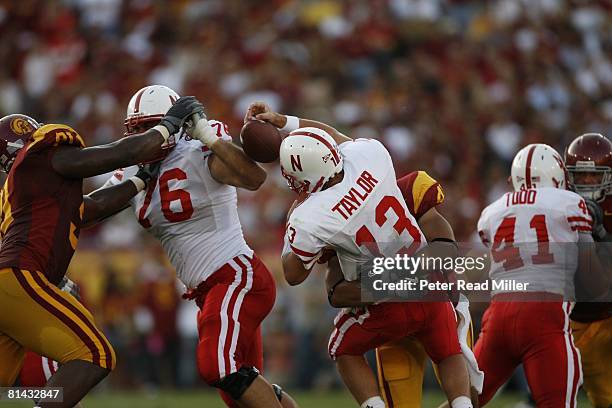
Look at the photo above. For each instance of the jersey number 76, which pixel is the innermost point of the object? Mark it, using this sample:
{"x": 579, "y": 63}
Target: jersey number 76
{"x": 167, "y": 196}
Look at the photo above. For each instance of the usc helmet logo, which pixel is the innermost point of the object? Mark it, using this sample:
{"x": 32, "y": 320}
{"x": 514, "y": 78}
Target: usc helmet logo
{"x": 21, "y": 126}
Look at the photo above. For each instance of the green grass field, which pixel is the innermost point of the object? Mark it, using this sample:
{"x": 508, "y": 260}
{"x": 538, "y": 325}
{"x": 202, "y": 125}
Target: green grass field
{"x": 211, "y": 400}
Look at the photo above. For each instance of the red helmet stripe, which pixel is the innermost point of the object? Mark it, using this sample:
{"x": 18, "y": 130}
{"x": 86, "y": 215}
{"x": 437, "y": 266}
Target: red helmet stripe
{"x": 320, "y": 139}
{"x": 318, "y": 185}
{"x": 138, "y": 97}
{"x": 528, "y": 166}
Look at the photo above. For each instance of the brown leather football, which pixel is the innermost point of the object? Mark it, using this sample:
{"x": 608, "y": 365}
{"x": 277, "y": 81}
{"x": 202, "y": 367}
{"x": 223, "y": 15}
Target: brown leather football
{"x": 261, "y": 141}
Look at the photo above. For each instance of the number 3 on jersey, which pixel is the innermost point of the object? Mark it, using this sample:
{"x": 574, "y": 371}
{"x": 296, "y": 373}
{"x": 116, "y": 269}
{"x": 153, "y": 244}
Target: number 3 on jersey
{"x": 167, "y": 196}
{"x": 364, "y": 236}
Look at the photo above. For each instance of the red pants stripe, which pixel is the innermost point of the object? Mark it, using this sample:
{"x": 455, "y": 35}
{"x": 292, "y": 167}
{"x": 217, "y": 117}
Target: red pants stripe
{"x": 537, "y": 335}
{"x": 234, "y": 302}
{"x": 358, "y": 330}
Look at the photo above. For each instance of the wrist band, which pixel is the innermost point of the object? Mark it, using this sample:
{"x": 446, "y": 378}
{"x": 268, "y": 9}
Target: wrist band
{"x": 164, "y": 132}
{"x": 293, "y": 122}
{"x": 330, "y": 293}
{"x": 450, "y": 241}
{"x": 138, "y": 182}
{"x": 205, "y": 133}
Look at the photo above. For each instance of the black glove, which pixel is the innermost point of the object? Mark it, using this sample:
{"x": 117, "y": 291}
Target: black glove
{"x": 148, "y": 172}
{"x": 181, "y": 111}
{"x": 599, "y": 231}
{"x": 69, "y": 286}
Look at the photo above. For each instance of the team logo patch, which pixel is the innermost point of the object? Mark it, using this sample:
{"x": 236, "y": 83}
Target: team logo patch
{"x": 21, "y": 126}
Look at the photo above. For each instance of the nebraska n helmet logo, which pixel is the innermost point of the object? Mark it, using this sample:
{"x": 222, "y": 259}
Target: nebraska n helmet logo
{"x": 296, "y": 162}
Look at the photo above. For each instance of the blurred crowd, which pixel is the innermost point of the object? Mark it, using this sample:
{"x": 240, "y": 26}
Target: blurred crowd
{"x": 454, "y": 87}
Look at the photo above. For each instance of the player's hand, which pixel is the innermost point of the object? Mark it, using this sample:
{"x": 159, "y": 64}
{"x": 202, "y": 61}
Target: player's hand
{"x": 261, "y": 111}
{"x": 69, "y": 286}
{"x": 255, "y": 109}
{"x": 148, "y": 172}
{"x": 198, "y": 128}
{"x": 599, "y": 231}
{"x": 182, "y": 110}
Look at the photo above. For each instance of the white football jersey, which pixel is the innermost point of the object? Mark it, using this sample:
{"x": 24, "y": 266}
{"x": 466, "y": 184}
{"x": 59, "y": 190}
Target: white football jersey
{"x": 361, "y": 217}
{"x": 532, "y": 235}
{"x": 194, "y": 216}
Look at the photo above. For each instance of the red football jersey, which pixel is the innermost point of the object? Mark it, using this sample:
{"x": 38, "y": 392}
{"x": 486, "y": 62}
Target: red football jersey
{"x": 41, "y": 209}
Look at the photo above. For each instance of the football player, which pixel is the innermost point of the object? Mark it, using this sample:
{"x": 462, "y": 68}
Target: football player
{"x": 589, "y": 162}
{"x": 539, "y": 236}
{"x": 401, "y": 364}
{"x": 352, "y": 201}
{"x": 191, "y": 207}
{"x": 42, "y": 212}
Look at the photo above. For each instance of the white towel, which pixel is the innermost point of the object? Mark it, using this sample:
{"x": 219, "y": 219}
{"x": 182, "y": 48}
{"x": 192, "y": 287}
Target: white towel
{"x": 463, "y": 326}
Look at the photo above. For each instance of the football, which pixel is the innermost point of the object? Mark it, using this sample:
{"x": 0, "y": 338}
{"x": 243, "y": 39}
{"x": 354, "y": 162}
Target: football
{"x": 261, "y": 141}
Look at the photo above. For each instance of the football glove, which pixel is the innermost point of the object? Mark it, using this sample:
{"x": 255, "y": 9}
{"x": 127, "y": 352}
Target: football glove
{"x": 181, "y": 111}
{"x": 599, "y": 231}
{"x": 69, "y": 286}
{"x": 148, "y": 172}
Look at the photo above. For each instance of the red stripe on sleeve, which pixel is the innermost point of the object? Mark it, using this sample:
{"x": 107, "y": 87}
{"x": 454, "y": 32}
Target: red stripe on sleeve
{"x": 303, "y": 253}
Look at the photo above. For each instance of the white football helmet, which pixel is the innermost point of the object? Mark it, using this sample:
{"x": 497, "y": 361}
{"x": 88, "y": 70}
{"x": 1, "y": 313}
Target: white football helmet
{"x": 146, "y": 108}
{"x": 309, "y": 157}
{"x": 538, "y": 165}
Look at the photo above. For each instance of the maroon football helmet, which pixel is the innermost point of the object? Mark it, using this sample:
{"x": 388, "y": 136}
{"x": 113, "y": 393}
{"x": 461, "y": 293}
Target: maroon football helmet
{"x": 589, "y": 162}
{"x": 15, "y": 130}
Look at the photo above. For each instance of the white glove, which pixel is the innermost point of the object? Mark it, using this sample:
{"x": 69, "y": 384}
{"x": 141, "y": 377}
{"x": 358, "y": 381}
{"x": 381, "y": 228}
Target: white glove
{"x": 202, "y": 130}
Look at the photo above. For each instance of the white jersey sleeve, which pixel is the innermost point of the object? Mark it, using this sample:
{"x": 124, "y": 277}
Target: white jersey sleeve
{"x": 578, "y": 217}
{"x": 222, "y": 132}
{"x": 483, "y": 229}
{"x": 302, "y": 240}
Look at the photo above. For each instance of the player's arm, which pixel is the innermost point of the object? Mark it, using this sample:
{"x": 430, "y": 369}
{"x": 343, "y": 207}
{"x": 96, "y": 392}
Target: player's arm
{"x": 113, "y": 198}
{"x": 592, "y": 276}
{"x": 106, "y": 202}
{"x": 301, "y": 250}
{"x": 75, "y": 162}
{"x": 294, "y": 270}
{"x": 261, "y": 111}
{"x": 229, "y": 164}
{"x": 340, "y": 292}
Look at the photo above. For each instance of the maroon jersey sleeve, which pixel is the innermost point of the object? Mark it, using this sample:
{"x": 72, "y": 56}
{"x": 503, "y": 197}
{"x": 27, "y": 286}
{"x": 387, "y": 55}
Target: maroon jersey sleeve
{"x": 421, "y": 192}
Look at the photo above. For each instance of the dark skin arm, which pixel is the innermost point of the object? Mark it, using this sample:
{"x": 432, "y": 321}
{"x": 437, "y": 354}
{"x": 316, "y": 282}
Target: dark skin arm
{"x": 348, "y": 294}
{"x": 74, "y": 162}
{"x": 105, "y": 202}
{"x": 591, "y": 275}
{"x": 230, "y": 165}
